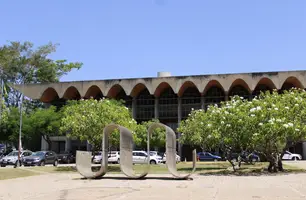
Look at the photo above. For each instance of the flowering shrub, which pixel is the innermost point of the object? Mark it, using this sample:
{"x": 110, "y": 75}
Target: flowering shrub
{"x": 85, "y": 120}
{"x": 268, "y": 124}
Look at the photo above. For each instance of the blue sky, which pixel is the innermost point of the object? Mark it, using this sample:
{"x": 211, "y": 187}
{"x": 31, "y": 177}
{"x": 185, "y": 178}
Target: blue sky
{"x": 138, "y": 38}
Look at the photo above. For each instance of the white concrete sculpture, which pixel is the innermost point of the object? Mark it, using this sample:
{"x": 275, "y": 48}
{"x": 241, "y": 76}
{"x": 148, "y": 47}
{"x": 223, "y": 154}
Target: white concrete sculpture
{"x": 83, "y": 158}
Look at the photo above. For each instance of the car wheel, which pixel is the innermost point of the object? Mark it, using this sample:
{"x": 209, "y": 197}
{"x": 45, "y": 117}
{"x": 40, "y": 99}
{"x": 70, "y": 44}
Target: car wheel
{"x": 42, "y": 163}
{"x": 3, "y": 165}
{"x": 153, "y": 162}
{"x": 215, "y": 160}
{"x": 295, "y": 158}
{"x": 118, "y": 161}
{"x": 55, "y": 163}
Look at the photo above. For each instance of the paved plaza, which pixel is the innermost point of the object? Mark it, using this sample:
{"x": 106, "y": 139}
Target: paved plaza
{"x": 70, "y": 186}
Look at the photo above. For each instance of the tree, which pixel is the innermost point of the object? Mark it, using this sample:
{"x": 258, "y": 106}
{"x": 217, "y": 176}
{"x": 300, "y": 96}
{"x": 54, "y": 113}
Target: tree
{"x": 10, "y": 127}
{"x": 219, "y": 127}
{"x": 3, "y": 121}
{"x": 280, "y": 124}
{"x": 42, "y": 123}
{"x": 158, "y": 137}
{"x": 20, "y": 63}
{"x": 85, "y": 120}
{"x": 268, "y": 125}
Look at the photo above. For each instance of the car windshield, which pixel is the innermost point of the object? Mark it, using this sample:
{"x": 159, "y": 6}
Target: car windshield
{"x": 153, "y": 153}
{"x": 13, "y": 153}
{"x": 39, "y": 153}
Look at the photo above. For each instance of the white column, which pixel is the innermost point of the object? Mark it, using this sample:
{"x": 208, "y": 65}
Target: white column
{"x": 134, "y": 109}
{"x": 304, "y": 150}
{"x": 202, "y": 102}
{"x": 44, "y": 144}
{"x": 156, "y": 110}
{"x": 67, "y": 144}
{"x": 88, "y": 148}
{"x": 226, "y": 96}
{"x": 179, "y": 118}
{"x": 179, "y": 110}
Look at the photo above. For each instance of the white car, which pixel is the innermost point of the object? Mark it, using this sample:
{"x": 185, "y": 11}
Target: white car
{"x": 291, "y": 156}
{"x": 12, "y": 158}
{"x": 178, "y": 158}
{"x": 141, "y": 157}
{"x": 97, "y": 158}
{"x": 114, "y": 157}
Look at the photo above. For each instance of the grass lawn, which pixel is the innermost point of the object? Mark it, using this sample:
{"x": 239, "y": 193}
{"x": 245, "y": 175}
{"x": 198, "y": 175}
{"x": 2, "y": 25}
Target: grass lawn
{"x": 9, "y": 173}
{"x": 202, "y": 168}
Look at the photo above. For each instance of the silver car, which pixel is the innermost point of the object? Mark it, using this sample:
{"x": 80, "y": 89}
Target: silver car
{"x": 12, "y": 158}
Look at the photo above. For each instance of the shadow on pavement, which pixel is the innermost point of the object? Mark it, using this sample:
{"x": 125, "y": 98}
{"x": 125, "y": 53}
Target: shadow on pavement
{"x": 145, "y": 178}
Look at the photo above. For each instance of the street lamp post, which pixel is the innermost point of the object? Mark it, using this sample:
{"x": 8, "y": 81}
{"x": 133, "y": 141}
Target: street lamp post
{"x": 20, "y": 130}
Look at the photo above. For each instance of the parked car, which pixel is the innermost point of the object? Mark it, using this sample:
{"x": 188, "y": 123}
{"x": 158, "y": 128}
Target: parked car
{"x": 291, "y": 156}
{"x": 114, "y": 157}
{"x": 66, "y": 157}
{"x": 12, "y": 158}
{"x": 178, "y": 158}
{"x": 141, "y": 157}
{"x": 250, "y": 157}
{"x": 97, "y": 158}
{"x": 206, "y": 156}
{"x": 41, "y": 158}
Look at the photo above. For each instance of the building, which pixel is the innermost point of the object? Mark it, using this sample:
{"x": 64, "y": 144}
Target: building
{"x": 165, "y": 97}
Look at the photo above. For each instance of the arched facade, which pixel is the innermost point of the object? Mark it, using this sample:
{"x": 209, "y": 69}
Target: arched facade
{"x": 72, "y": 94}
{"x": 49, "y": 95}
{"x": 167, "y": 105}
{"x": 190, "y": 98}
{"x": 169, "y": 99}
{"x": 213, "y": 94}
{"x": 240, "y": 88}
{"x": 93, "y": 92}
{"x": 264, "y": 84}
{"x": 291, "y": 82}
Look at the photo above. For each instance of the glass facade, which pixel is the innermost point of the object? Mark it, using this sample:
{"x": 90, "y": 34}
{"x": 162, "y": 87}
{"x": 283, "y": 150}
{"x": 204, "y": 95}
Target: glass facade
{"x": 145, "y": 106}
{"x": 191, "y": 99}
{"x": 214, "y": 95}
{"x": 239, "y": 91}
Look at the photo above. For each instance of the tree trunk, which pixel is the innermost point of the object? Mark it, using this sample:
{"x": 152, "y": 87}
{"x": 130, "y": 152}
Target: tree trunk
{"x": 229, "y": 159}
{"x": 273, "y": 167}
{"x": 280, "y": 163}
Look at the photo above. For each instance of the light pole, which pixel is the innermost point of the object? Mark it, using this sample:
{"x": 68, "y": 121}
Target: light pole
{"x": 20, "y": 128}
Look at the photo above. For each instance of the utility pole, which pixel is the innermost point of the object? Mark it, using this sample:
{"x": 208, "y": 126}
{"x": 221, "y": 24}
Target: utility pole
{"x": 20, "y": 129}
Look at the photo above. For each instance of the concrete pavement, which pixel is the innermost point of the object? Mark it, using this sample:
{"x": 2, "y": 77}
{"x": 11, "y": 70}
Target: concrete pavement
{"x": 70, "y": 186}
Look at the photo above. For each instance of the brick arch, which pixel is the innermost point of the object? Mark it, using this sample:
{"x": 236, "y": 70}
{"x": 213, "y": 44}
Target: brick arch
{"x": 137, "y": 89}
{"x": 93, "y": 92}
{"x": 185, "y": 86}
{"x": 161, "y": 88}
{"x": 264, "y": 84}
{"x": 291, "y": 82}
{"x": 49, "y": 95}
{"x": 71, "y": 93}
{"x": 212, "y": 83}
{"x": 115, "y": 90}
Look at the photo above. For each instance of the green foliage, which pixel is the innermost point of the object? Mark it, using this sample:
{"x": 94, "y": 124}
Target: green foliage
{"x": 85, "y": 120}
{"x": 21, "y": 63}
{"x": 268, "y": 124}
{"x": 157, "y": 139}
{"x": 39, "y": 123}
{"x": 42, "y": 123}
